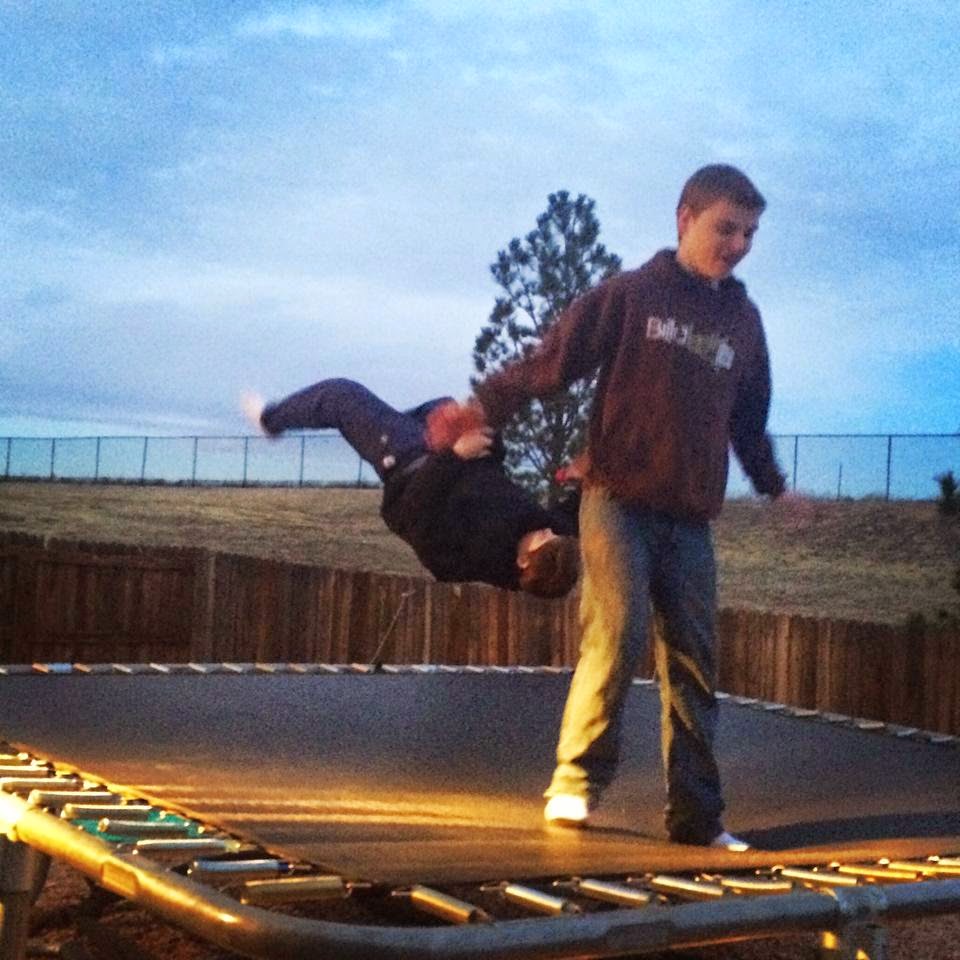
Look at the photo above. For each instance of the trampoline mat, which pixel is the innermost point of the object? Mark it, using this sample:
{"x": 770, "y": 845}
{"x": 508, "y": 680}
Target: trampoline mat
{"x": 438, "y": 777}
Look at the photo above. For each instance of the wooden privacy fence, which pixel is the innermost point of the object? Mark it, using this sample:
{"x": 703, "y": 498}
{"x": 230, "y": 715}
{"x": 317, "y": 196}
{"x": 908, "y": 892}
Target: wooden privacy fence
{"x": 93, "y": 603}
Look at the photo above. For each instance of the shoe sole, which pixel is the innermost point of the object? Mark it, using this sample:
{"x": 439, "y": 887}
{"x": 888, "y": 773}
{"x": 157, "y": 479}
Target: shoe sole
{"x": 566, "y": 823}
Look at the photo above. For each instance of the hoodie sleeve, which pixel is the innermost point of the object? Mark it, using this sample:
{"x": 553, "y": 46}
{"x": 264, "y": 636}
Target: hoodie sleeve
{"x": 572, "y": 348}
{"x": 748, "y": 423}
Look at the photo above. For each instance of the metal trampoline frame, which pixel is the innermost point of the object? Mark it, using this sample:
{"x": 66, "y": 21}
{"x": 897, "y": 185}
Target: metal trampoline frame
{"x": 847, "y": 904}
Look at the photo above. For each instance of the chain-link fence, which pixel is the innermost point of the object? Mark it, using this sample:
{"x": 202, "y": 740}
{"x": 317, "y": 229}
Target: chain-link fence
{"x": 898, "y": 466}
{"x": 305, "y": 460}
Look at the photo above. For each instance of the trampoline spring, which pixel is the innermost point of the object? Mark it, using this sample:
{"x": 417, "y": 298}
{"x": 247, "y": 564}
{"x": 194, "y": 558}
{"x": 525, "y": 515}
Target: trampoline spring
{"x": 755, "y": 886}
{"x": 171, "y": 828}
{"x": 817, "y": 878}
{"x": 903, "y": 732}
{"x": 25, "y": 769}
{"x": 926, "y": 868}
{"x": 15, "y": 758}
{"x": 187, "y": 844}
{"x": 57, "y": 667}
{"x": 835, "y": 717}
{"x": 293, "y": 889}
{"x": 877, "y": 874}
{"x": 26, "y": 784}
{"x": 57, "y": 800}
{"x": 610, "y": 892}
{"x": 685, "y": 889}
{"x": 238, "y": 870}
{"x": 74, "y": 806}
{"x": 202, "y": 668}
{"x": 262, "y": 667}
{"x": 538, "y": 900}
{"x": 444, "y": 906}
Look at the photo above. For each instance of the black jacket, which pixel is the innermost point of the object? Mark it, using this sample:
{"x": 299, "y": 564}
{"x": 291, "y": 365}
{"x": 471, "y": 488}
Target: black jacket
{"x": 464, "y": 518}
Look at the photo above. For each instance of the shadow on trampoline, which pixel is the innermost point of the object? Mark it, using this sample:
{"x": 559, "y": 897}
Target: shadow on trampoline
{"x": 891, "y": 826}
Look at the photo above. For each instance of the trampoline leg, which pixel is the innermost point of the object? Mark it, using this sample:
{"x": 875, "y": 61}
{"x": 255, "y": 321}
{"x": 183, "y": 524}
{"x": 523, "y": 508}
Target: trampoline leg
{"x": 21, "y": 870}
{"x": 868, "y": 943}
{"x": 861, "y": 935}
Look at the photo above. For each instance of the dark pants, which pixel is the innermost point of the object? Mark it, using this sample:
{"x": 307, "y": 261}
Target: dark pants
{"x": 384, "y": 437}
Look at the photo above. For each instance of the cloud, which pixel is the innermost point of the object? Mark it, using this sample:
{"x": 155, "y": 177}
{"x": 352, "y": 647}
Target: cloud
{"x": 322, "y": 187}
{"x": 188, "y": 54}
{"x": 316, "y": 21}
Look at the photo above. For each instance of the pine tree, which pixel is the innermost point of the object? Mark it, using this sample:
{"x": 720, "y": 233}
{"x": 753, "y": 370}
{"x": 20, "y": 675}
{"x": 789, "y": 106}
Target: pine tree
{"x": 540, "y": 276}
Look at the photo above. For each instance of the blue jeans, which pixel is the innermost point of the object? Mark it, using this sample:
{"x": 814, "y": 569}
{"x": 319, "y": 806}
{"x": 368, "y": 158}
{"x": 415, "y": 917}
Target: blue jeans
{"x": 382, "y": 436}
{"x": 632, "y": 557}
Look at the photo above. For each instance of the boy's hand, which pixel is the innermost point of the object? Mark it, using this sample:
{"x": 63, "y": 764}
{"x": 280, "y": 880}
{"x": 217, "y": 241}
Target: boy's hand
{"x": 450, "y": 421}
{"x": 474, "y": 443}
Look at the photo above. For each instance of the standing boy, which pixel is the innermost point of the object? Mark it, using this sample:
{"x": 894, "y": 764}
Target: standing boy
{"x": 683, "y": 374}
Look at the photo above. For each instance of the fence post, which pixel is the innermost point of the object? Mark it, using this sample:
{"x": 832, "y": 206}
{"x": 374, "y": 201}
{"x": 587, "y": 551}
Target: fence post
{"x": 193, "y": 469}
{"x": 303, "y": 448}
{"x": 796, "y": 457}
{"x": 96, "y": 461}
{"x": 6, "y": 471}
{"x": 246, "y": 452}
{"x": 143, "y": 461}
{"x": 889, "y": 459}
{"x": 53, "y": 456}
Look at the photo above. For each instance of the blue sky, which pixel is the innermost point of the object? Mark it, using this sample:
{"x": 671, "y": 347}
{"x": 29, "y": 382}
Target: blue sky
{"x": 202, "y": 197}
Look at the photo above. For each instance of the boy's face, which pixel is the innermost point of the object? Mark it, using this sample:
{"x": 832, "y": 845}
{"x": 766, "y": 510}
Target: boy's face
{"x": 715, "y": 240}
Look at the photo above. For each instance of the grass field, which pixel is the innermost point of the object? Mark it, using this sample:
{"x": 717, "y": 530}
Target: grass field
{"x": 851, "y": 559}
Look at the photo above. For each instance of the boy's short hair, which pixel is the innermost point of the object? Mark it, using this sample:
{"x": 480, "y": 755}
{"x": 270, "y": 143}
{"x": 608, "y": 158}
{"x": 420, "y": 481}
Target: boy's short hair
{"x": 552, "y": 569}
{"x": 720, "y": 181}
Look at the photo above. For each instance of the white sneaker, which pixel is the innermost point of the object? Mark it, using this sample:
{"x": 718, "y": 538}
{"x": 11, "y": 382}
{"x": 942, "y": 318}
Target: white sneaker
{"x": 567, "y": 810}
{"x": 729, "y": 842}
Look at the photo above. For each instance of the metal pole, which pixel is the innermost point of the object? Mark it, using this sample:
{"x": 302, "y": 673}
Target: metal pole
{"x": 839, "y": 478}
{"x": 889, "y": 460}
{"x": 53, "y": 456}
{"x": 6, "y": 471}
{"x": 303, "y": 447}
{"x": 96, "y": 461}
{"x": 22, "y": 871}
{"x": 796, "y": 457}
{"x": 193, "y": 470}
{"x": 246, "y": 448}
{"x": 143, "y": 461}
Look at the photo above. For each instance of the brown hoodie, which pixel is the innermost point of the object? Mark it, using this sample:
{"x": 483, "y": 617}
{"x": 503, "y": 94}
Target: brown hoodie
{"x": 683, "y": 374}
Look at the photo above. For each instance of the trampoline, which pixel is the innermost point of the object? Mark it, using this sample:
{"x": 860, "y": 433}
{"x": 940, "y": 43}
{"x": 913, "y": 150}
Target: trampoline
{"x": 218, "y": 794}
